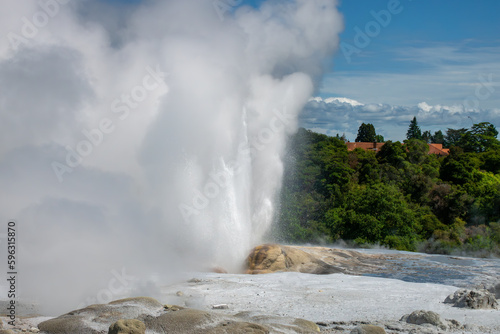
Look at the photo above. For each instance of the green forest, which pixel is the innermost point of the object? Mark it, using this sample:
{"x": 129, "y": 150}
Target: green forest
{"x": 399, "y": 197}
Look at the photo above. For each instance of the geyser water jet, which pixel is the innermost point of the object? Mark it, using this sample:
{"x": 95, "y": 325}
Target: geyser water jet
{"x": 187, "y": 174}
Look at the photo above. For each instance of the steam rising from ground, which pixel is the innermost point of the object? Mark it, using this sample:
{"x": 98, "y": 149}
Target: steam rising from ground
{"x": 143, "y": 139}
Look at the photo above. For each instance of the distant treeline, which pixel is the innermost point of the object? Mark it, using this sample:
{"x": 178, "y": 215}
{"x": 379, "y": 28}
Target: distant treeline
{"x": 400, "y": 197}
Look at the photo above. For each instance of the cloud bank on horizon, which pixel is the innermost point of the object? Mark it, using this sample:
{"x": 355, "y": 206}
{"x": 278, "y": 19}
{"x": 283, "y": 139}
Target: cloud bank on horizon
{"x": 397, "y": 54}
{"x": 343, "y": 116}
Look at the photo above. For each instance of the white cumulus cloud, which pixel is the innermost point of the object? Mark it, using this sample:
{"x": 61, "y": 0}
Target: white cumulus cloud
{"x": 392, "y": 121}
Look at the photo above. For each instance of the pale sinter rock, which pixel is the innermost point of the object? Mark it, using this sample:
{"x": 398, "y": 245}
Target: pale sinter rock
{"x": 422, "y": 317}
{"x": 127, "y": 326}
{"x": 147, "y": 314}
{"x": 368, "y": 329}
{"x": 473, "y": 299}
{"x": 495, "y": 290}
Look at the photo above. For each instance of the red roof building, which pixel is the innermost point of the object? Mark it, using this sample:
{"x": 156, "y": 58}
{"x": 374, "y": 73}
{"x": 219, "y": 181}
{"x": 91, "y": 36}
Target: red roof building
{"x": 438, "y": 149}
{"x": 433, "y": 148}
{"x": 365, "y": 146}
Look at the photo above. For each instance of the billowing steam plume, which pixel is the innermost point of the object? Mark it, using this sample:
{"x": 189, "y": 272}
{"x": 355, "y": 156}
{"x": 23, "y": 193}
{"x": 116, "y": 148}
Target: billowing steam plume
{"x": 143, "y": 139}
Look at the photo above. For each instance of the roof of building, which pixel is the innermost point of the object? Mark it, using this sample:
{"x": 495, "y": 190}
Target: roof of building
{"x": 364, "y": 146}
{"x": 433, "y": 148}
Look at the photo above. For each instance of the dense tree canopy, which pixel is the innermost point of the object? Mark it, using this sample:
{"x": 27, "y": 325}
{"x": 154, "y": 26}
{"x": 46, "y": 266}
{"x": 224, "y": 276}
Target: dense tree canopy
{"x": 379, "y": 139}
{"x": 454, "y": 136}
{"x": 438, "y": 137}
{"x": 414, "y": 131}
{"x": 427, "y": 136}
{"x": 366, "y": 133}
{"x": 481, "y": 137}
{"x": 400, "y": 196}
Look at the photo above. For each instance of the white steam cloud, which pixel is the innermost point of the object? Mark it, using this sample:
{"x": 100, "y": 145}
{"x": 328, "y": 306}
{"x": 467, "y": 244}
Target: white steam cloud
{"x": 139, "y": 140}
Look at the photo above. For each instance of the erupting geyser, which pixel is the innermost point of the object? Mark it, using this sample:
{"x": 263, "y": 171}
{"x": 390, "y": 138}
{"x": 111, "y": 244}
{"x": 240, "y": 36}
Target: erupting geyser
{"x": 143, "y": 139}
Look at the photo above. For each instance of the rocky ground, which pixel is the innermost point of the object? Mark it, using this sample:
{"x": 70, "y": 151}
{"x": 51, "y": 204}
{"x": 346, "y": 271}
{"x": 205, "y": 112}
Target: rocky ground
{"x": 305, "y": 290}
{"x": 337, "y": 302}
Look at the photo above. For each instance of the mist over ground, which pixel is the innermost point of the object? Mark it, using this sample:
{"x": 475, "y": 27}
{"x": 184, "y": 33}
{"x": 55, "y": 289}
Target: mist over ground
{"x": 143, "y": 140}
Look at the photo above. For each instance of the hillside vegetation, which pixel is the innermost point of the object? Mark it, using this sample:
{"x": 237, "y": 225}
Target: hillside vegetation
{"x": 400, "y": 197}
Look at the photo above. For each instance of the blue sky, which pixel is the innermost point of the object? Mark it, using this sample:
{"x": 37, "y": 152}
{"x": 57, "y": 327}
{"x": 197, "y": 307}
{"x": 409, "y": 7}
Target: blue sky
{"x": 437, "y": 60}
{"x": 425, "y": 38}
